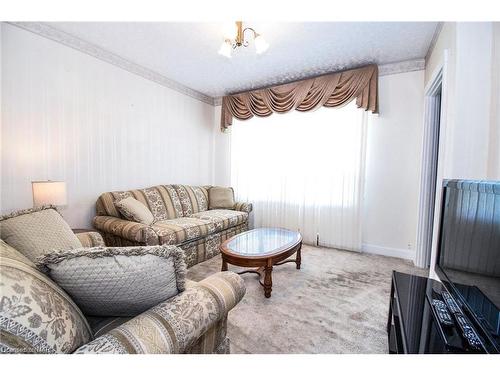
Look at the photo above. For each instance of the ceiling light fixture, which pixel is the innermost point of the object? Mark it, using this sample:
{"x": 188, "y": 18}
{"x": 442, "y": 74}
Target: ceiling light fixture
{"x": 239, "y": 40}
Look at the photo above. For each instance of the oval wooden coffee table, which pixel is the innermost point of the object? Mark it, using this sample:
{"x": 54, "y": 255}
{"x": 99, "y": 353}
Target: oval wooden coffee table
{"x": 262, "y": 248}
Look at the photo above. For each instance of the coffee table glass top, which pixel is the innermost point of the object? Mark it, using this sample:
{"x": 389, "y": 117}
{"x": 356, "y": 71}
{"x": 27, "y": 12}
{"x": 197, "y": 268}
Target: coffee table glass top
{"x": 263, "y": 241}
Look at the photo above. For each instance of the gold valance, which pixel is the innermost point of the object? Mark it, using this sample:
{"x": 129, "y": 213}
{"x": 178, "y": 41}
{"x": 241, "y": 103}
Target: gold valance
{"x": 331, "y": 90}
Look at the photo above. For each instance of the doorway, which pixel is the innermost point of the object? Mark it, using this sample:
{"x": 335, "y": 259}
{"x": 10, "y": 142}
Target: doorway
{"x": 430, "y": 181}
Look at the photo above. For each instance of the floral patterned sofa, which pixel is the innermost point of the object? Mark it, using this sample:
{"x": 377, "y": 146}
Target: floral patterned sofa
{"x": 37, "y": 316}
{"x": 182, "y": 218}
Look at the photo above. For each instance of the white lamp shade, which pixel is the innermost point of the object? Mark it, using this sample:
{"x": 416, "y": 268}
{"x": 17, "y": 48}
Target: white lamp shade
{"x": 225, "y": 50}
{"x": 49, "y": 192}
{"x": 260, "y": 44}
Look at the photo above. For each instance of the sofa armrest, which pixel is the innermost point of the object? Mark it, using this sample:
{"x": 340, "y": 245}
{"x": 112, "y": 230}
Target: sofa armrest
{"x": 173, "y": 326}
{"x": 90, "y": 239}
{"x": 129, "y": 230}
{"x": 227, "y": 287}
{"x": 243, "y": 206}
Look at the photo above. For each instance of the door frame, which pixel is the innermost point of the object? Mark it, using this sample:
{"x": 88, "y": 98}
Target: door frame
{"x": 438, "y": 82}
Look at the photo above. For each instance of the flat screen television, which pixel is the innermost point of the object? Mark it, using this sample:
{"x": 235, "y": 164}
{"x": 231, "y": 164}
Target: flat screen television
{"x": 468, "y": 259}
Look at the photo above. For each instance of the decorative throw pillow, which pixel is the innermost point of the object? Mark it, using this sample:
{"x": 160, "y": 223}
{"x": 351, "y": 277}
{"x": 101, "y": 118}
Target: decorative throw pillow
{"x": 221, "y": 197}
{"x": 7, "y": 251}
{"x": 118, "y": 281}
{"x": 134, "y": 210}
{"x": 37, "y": 231}
{"x": 36, "y": 316}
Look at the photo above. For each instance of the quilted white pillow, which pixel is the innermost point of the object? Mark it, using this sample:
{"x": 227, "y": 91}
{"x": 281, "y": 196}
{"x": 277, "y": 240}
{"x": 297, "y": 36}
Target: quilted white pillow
{"x": 117, "y": 281}
{"x": 37, "y": 231}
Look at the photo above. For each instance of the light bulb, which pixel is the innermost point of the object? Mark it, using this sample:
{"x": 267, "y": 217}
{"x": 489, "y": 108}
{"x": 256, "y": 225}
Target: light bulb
{"x": 260, "y": 44}
{"x": 225, "y": 50}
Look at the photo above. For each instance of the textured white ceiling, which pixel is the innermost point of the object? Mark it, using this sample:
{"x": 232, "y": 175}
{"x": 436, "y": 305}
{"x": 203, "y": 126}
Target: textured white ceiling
{"x": 187, "y": 52}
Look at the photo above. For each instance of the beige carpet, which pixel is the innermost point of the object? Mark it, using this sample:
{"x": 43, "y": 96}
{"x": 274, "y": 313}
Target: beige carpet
{"x": 337, "y": 303}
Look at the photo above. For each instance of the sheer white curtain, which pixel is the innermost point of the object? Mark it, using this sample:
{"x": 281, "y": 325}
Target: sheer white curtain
{"x": 303, "y": 171}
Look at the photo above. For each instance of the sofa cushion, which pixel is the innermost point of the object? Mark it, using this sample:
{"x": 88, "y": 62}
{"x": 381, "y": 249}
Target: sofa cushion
{"x": 37, "y": 231}
{"x": 118, "y": 281}
{"x": 134, "y": 210}
{"x": 222, "y": 219}
{"x": 162, "y": 201}
{"x": 193, "y": 198}
{"x": 183, "y": 229}
{"x": 103, "y": 324}
{"x": 221, "y": 197}
{"x": 36, "y": 315}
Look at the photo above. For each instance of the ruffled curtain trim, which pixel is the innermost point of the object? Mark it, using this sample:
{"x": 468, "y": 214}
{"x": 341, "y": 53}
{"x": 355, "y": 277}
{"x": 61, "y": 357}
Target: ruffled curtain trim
{"x": 332, "y": 90}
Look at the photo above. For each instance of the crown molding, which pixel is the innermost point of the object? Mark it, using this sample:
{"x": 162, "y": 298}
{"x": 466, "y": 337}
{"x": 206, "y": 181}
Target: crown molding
{"x": 383, "y": 70}
{"x": 401, "y": 67}
{"x": 435, "y": 37}
{"x": 74, "y": 42}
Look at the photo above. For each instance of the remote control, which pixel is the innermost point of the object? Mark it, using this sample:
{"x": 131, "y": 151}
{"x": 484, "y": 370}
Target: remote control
{"x": 442, "y": 313}
{"x": 450, "y": 302}
{"x": 468, "y": 332}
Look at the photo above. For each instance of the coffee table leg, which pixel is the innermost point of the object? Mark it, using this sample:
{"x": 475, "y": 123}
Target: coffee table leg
{"x": 298, "y": 259}
{"x": 268, "y": 281}
{"x": 224, "y": 265}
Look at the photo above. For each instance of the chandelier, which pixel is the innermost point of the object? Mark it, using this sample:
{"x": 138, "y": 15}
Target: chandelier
{"x": 231, "y": 43}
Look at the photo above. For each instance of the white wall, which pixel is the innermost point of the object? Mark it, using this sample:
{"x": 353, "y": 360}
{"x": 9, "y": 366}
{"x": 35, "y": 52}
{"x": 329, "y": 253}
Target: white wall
{"x": 494, "y": 146}
{"x": 394, "y": 143}
{"x": 1, "y": 110}
{"x": 69, "y": 116}
{"x": 222, "y": 152}
{"x": 472, "y": 100}
{"x": 472, "y": 126}
{"x": 445, "y": 41}
{"x": 473, "y": 83}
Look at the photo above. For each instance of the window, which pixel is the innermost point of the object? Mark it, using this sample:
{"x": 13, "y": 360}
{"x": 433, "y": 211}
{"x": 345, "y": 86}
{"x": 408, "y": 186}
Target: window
{"x": 303, "y": 171}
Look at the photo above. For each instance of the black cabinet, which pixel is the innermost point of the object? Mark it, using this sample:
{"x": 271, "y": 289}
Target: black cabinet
{"x": 412, "y": 326}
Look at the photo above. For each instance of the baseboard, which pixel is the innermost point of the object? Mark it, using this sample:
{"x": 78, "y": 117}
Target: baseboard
{"x": 388, "y": 251}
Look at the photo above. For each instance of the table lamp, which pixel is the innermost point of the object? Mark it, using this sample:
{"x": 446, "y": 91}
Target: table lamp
{"x": 49, "y": 192}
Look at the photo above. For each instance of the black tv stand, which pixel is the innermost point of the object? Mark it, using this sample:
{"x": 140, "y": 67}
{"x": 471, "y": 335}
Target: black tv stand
{"x": 413, "y": 326}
